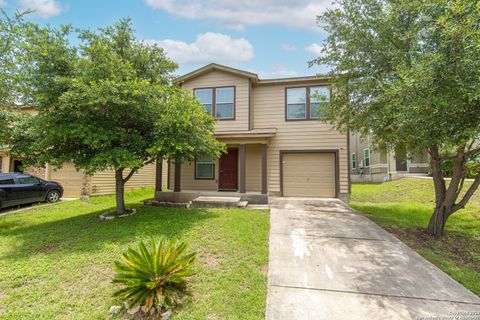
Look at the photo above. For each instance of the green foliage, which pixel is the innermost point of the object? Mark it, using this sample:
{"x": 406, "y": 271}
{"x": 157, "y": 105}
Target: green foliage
{"x": 472, "y": 168}
{"x": 69, "y": 238}
{"x": 11, "y": 28}
{"x": 447, "y": 168}
{"x": 405, "y": 72}
{"x": 155, "y": 275}
{"x": 105, "y": 104}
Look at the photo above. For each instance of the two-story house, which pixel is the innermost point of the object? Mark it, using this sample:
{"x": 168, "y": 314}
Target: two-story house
{"x": 276, "y": 142}
{"x": 371, "y": 164}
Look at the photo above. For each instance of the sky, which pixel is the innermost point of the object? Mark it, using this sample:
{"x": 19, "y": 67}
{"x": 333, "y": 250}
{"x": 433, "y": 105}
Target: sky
{"x": 273, "y": 38}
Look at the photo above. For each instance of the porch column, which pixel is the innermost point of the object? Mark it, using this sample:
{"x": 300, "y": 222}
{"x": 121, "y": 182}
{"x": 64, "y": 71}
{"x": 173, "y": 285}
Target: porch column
{"x": 242, "y": 159}
{"x": 264, "y": 169}
{"x": 158, "y": 174}
{"x": 178, "y": 174}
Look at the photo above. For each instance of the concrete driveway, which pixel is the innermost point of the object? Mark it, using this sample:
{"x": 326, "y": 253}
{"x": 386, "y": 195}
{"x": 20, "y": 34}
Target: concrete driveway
{"x": 327, "y": 262}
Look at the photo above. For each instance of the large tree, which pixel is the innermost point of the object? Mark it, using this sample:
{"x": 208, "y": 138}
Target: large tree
{"x": 10, "y": 33}
{"x": 407, "y": 72}
{"x": 106, "y": 104}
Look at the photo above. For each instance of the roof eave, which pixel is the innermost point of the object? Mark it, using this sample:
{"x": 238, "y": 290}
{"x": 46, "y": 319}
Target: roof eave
{"x": 215, "y": 66}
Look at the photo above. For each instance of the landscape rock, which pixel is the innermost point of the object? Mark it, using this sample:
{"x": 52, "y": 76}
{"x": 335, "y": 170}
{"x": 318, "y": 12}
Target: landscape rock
{"x": 114, "y": 310}
{"x": 167, "y": 314}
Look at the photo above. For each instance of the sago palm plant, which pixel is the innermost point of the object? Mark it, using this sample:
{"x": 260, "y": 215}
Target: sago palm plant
{"x": 154, "y": 277}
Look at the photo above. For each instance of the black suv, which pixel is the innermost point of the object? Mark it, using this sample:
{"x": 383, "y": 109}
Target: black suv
{"x": 20, "y": 188}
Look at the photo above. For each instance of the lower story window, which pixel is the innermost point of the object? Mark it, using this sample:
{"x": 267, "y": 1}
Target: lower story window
{"x": 204, "y": 169}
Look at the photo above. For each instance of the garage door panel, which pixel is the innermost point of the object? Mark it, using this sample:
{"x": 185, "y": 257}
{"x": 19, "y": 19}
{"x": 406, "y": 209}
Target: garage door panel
{"x": 70, "y": 179}
{"x": 309, "y": 174}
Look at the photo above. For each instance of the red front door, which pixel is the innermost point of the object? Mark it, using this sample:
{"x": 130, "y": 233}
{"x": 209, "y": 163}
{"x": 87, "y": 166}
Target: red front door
{"x": 228, "y": 167}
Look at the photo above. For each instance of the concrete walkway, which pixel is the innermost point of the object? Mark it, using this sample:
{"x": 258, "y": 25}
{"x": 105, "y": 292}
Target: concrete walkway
{"x": 327, "y": 262}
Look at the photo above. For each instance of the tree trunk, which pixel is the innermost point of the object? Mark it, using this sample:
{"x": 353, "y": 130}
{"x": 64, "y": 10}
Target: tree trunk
{"x": 437, "y": 221}
{"x": 446, "y": 198}
{"x": 120, "y": 191}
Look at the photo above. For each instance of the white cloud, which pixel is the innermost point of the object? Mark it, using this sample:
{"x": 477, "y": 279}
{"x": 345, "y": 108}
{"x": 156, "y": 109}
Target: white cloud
{"x": 208, "y": 47}
{"x": 41, "y": 8}
{"x": 315, "y": 49}
{"x": 236, "y": 26}
{"x": 288, "y": 48}
{"x": 279, "y": 71}
{"x": 292, "y": 13}
{"x": 2, "y": 3}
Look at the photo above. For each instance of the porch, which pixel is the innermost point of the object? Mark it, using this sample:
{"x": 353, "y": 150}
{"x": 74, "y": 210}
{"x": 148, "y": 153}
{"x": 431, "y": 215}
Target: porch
{"x": 241, "y": 172}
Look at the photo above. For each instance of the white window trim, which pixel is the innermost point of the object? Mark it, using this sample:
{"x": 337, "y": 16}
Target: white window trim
{"x": 364, "y": 158}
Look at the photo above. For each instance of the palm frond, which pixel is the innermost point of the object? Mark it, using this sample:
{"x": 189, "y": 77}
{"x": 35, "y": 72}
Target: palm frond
{"x": 155, "y": 275}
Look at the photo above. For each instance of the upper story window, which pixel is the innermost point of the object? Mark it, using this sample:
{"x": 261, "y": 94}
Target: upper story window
{"x": 205, "y": 96}
{"x": 306, "y": 103}
{"x": 296, "y": 103}
{"x": 218, "y": 101}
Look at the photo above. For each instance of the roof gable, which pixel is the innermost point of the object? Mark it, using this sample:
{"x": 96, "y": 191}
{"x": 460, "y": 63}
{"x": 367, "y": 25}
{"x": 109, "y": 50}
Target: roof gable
{"x": 215, "y": 67}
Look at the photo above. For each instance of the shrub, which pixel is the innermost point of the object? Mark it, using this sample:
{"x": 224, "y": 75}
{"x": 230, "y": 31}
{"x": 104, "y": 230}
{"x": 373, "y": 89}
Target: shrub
{"x": 154, "y": 277}
{"x": 471, "y": 168}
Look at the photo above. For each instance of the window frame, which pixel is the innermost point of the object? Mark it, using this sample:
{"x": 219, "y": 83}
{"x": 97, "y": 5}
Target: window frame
{"x": 365, "y": 158}
{"x": 10, "y": 178}
{"x": 214, "y": 101}
{"x": 354, "y": 161}
{"x": 22, "y": 175}
{"x": 308, "y": 106}
{"x": 195, "y": 170}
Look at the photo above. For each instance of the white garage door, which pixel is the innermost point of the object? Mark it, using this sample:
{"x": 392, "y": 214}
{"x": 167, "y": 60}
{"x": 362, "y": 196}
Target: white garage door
{"x": 309, "y": 175}
{"x": 70, "y": 179}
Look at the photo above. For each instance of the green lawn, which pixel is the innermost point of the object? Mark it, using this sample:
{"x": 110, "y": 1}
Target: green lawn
{"x": 56, "y": 262}
{"x": 404, "y": 208}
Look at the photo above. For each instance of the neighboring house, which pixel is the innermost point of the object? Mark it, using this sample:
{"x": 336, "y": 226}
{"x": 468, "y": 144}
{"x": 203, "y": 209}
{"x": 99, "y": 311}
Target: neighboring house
{"x": 76, "y": 183}
{"x": 370, "y": 164}
{"x": 276, "y": 143}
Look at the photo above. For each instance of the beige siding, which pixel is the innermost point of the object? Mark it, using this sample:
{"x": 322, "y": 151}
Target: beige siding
{"x": 253, "y": 174}
{"x": 309, "y": 174}
{"x": 269, "y": 112}
{"x": 188, "y": 181}
{"x": 222, "y": 79}
{"x": 104, "y": 182}
{"x": 378, "y": 157}
{"x": 69, "y": 178}
{"x": 253, "y": 169}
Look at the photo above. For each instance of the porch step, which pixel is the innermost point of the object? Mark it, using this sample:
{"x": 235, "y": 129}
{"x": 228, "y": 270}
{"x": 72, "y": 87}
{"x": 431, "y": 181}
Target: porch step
{"x": 216, "y": 202}
{"x": 242, "y": 204}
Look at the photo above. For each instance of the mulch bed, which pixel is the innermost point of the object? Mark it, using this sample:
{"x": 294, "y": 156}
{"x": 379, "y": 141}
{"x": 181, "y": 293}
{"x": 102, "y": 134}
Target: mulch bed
{"x": 458, "y": 248}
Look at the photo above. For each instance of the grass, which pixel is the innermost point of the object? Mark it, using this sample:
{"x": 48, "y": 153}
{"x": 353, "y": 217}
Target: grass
{"x": 56, "y": 262}
{"x": 404, "y": 207}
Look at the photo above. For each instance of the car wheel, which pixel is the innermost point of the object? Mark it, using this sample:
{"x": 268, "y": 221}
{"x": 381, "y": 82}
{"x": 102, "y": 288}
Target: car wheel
{"x": 53, "y": 196}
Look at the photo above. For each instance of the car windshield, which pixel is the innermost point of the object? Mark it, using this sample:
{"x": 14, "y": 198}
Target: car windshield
{"x": 25, "y": 179}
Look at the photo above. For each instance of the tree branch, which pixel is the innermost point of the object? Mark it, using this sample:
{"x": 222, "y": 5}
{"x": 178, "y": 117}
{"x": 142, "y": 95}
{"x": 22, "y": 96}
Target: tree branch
{"x": 467, "y": 195}
{"x": 459, "y": 189}
{"x": 125, "y": 180}
{"x": 472, "y": 151}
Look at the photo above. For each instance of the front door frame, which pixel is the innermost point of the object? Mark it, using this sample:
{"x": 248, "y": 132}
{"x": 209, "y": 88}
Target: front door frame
{"x": 220, "y": 171}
